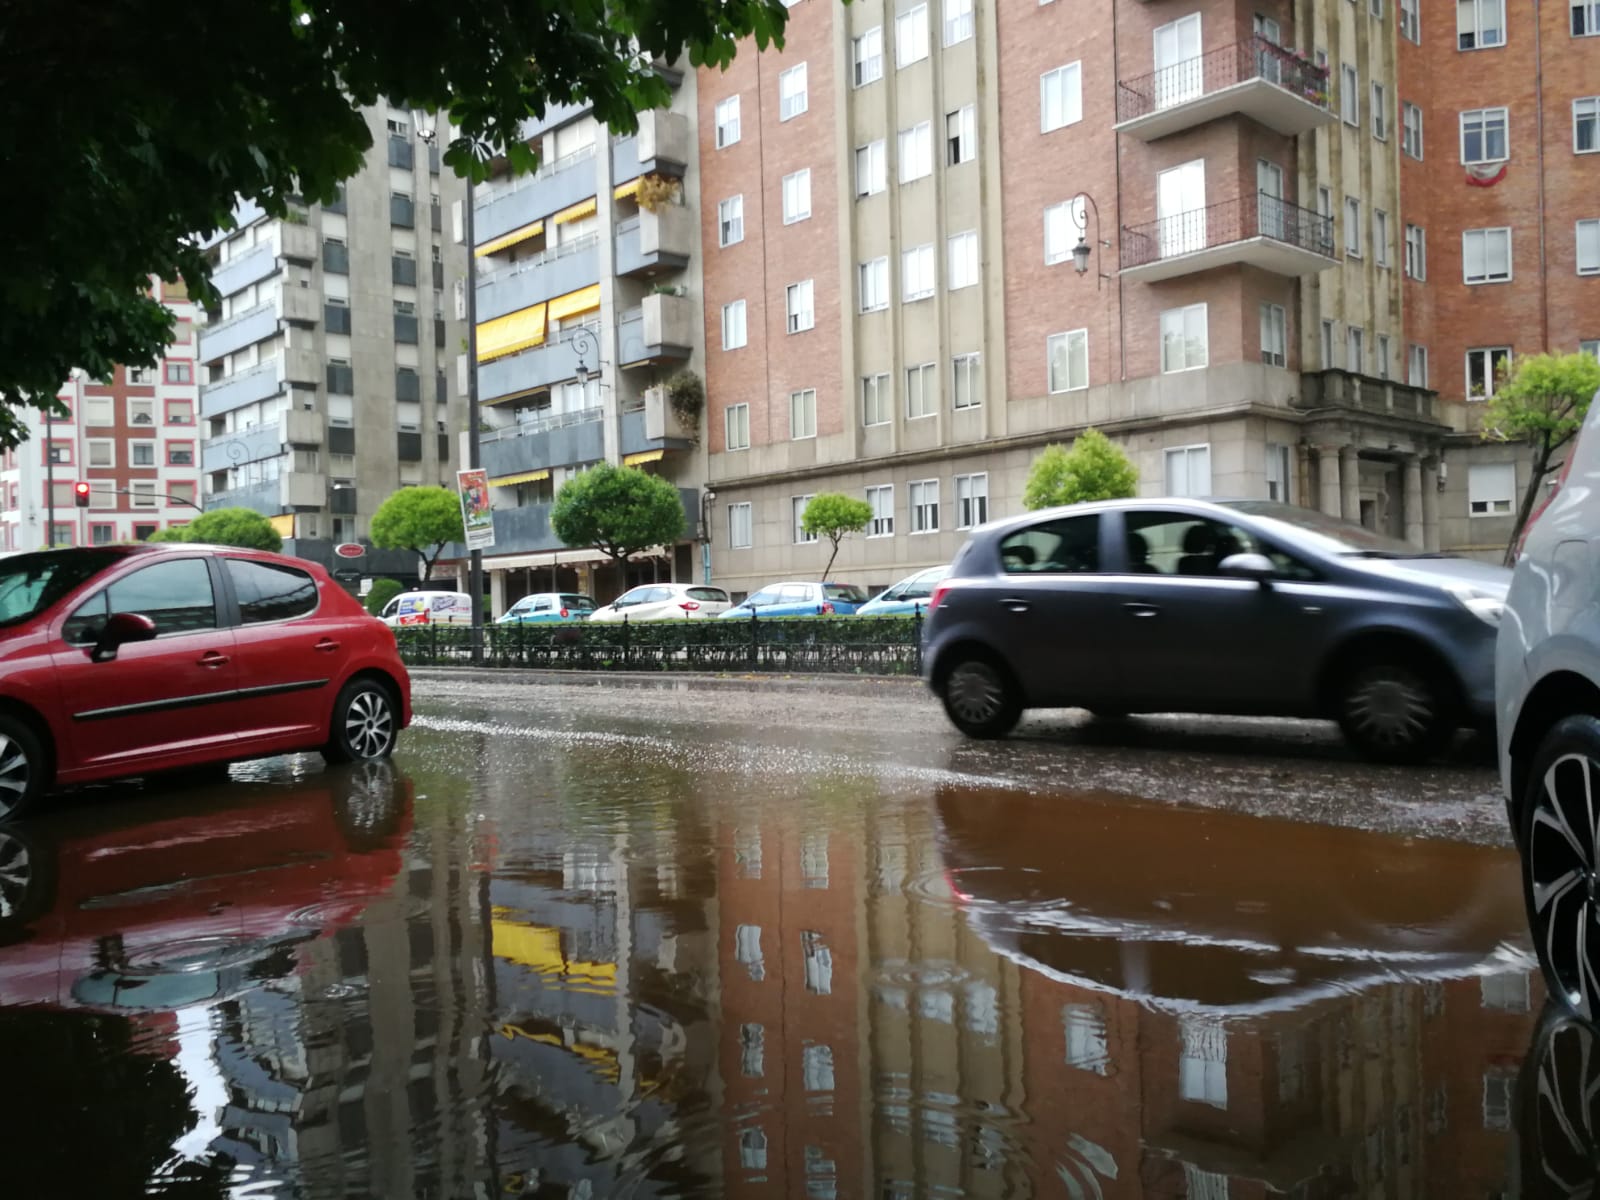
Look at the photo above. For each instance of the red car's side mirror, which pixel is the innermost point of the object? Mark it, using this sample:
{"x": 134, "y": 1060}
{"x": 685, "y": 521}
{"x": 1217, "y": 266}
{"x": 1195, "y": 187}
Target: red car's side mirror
{"x": 120, "y": 629}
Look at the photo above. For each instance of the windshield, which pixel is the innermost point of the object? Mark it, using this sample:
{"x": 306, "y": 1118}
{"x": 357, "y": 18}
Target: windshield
{"x": 31, "y": 583}
{"x": 1328, "y": 534}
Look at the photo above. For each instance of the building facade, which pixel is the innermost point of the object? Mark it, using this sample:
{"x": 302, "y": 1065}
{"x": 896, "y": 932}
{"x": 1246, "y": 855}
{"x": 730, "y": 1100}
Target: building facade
{"x": 133, "y": 437}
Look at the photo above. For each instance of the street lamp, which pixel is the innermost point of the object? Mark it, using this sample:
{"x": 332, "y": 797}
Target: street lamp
{"x": 706, "y": 500}
{"x": 580, "y": 337}
{"x": 1081, "y": 203}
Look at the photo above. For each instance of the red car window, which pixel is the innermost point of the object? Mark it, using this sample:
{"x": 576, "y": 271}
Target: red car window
{"x": 271, "y": 591}
{"x": 176, "y": 595}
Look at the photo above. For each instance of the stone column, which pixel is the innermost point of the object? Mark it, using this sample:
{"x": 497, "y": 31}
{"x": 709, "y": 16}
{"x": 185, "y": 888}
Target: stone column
{"x": 1430, "y": 504}
{"x": 1413, "y": 501}
{"x": 497, "y": 592}
{"x": 1350, "y": 470}
{"x": 1328, "y": 478}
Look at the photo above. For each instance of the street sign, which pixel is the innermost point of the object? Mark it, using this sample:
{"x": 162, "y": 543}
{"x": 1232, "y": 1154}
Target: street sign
{"x": 350, "y": 550}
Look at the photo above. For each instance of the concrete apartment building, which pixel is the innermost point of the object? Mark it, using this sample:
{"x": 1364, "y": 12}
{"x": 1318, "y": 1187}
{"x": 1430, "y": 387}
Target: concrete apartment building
{"x": 588, "y": 302}
{"x": 133, "y": 436}
{"x": 326, "y": 381}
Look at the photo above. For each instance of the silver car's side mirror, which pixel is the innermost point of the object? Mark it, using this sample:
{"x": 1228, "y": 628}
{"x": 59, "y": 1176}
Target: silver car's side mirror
{"x": 1249, "y": 566}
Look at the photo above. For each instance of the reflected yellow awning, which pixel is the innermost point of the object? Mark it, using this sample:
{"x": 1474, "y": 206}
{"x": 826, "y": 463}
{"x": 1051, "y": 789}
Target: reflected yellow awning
{"x": 624, "y": 190}
{"x": 578, "y": 211}
{"x": 284, "y": 524}
{"x": 524, "y": 477}
{"x": 531, "y": 230}
{"x": 644, "y": 456}
{"x": 581, "y": 301}
{"x": 510, "y": 333}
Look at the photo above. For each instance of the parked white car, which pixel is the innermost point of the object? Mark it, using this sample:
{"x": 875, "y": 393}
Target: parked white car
{"x": 665, "y": 602}
{"x": 428, "y": 608}
{"x": 1547, "y": 685}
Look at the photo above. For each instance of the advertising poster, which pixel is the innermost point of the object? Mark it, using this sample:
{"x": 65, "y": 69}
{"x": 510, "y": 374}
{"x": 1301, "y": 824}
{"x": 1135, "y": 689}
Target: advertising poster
{"x": 476, "y": 515}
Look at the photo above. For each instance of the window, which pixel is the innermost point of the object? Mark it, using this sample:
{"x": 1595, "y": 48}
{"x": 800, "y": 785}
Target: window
{"x": 1063, "y": 546}
{"x": 180, "y": 454}
{"x": 797, "y": 196}
{"x": 1184, "y": 343}
{"x": 141, "y": 454}
{"x": 797, "y": 302}
{"x": 58, "y": 454}
{"x": 1377, "y": 8}
{"x": 1416, "y": 252}
{"x": 1355, "y": 349}
{"x": 1203, "y": 1067}
{"x": 867, "y": 52}
{"x": 1350, "y": 95}
{"x": 102, "y": 494}
{"x": 1491, "y": 489}
{"x": 1499, "y": 1094}
{"x": 1327, "y": 345}
{"x": 1380, "y": 113}
{"x": 803, "y": 414}
{"x": 1352, "y": 227}
{"x": 1189, "y": 470}
{"x": 1084, "y": 1029}
{"x": 1380, "y": 237}
{"x": 99, "y": 410}
{"x": 916, "y": 152}
{"x": 180, "y": 372}
{"x": 741, "y": 527}
{"x": 269, "y": 592}
{"x": 737, "y": 420}
{"x": 797, "y": 511}
{"x": 1274, "y": 335}
{"x": 141, "y": 376}
{"x": 792, "y": 96}
{"x": 1586, "y": 125}
{"x": 961, "y": 135}
{"x": 102, "y": 452}
{"x": 1060, "y": 97}
{"x": 1480, "y": 24}
{"x": 924, "y": 506}
{"x": 920, "y": 391}
{"x": 1417, "y": 366}
{"x": 142, "y": 495}
{"x": 1411, "y": 21}
{"x": 1061, "y": 225}
{"x": 1486, "y": 255}
{"x": 1380, "y": 351}
{"x": 962, "y": 260}
{"x": 1486, "y": 366}
{"x": 916, "y": 273}
{"x": 175, "y": 595}
{"x": 102, "y": 535}
{"x": 747, "y": 951}
{"x": 1278, "y": 472}
{"x": 1588, "y": 233}
{"x": 1483, "y": 135}
{"x": 966, "y": 380}
{"x": 1585, "y": 18}
{"x": 818, "y": 961}
{"x": 727, "y": 115}
{"x": 972, "y": 500}
{"x": 733, "y": 325}
{"x": 1411, "y": 130}
{"x": 957, "y": 21}
{"x": 141, "y": 412}
{"x": 911, "y": 36}
{"x": 881, "y": 500}
{"x": 872, "y": 173}
{"x": 752, "y": 1064}
{"x": 816, "y": 1068}
{"x": 1590, "y": 346}
{"x": 180, "y": 412}
{"x": 1067, "y": 358}
{"x": 873, "y": 284}
{"x": 752, "y": 1150}
{"x": 875, "y": 399}
{"x": 730, "y": 220}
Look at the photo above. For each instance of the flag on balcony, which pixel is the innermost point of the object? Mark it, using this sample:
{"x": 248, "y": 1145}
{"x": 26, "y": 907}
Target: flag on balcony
{"x": 1485, "y": 174}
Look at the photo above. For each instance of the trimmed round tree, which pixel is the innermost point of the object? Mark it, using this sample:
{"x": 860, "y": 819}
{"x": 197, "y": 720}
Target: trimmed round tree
{"x": 381, "y": 592}
{"x": 834, "y": 516}
{"x": 1094, "y": 469}
{"x": 243, "y": 527}
{"x": 618, "y": 511}
{"x": 423, "y": 520}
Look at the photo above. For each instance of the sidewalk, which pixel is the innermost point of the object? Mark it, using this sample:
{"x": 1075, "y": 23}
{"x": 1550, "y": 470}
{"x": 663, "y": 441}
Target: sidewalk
{"x": 676, "y": 680}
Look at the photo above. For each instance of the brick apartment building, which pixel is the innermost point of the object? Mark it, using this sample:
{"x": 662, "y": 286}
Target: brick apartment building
{"x": 132, "y": 436}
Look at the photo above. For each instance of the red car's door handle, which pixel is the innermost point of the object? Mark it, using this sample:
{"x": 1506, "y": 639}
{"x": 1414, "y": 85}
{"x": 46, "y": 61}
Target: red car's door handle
{"x": 212, "y": 659}
{"x": 326, "y": 645}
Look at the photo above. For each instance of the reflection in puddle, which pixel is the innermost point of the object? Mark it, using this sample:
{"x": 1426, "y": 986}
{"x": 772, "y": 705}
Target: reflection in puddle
{"x": 523, "y": 968}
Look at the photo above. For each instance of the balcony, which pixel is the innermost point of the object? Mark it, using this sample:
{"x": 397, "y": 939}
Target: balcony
{"x": 554, "y": 186}
{"x": 263, "y": 497}
{"x": 236, "y": 449}
{"x": 298, "y": 427}
{"x": 301, "y": 306}
{"x": 302, "y": 368}
{"x": 654, "y": 429}
{"x": 256, "y": 264}
{"x": 298, "y": 242}
{"x": 1363, "y": 393}
{"x": 234, "y": 334}
{"x": 557, "y": 271}
{"x": 304, "y": 489}
{"x": 1254, "y": 79}
{"x": 653, "y": 242}
{"x": 555, "y": 440}
{"x": 533, "y": 369}
{"x": 662, "y": 329}
{"x": 1257, "y": 231}
{"x": 247, "y": 387}
{"x": 660, "y": 146}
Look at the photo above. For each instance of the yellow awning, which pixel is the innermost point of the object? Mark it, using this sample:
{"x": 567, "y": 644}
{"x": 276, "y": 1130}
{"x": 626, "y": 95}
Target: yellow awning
{"x": 510, "y": 333}
{"x": 284, "y": 524}
{"x": 644, "y": 456}
{"x": 525, "y": 477}
{"x": 624, "y": 190}
{"x": 581, "y": 301}
{"x": 533, "y": 229}
{"x": 578, "y": 211}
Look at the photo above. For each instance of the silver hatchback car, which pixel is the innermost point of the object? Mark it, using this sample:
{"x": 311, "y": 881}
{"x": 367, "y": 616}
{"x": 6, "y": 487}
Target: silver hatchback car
{"x": 1247, "y": 607}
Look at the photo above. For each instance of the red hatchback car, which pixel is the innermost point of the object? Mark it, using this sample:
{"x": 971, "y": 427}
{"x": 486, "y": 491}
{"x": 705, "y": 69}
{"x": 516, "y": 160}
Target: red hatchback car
{"x": 124, "y": 660}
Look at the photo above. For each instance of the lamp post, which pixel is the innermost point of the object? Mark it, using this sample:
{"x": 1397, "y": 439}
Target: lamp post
{"x": 1081, "y": 252}
{"x": 580, "y": 337}
{"x": 707, "y": 497}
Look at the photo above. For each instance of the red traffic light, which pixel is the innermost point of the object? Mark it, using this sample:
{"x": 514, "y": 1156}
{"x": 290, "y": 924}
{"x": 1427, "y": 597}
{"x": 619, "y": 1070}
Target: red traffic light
{"x": 80, "y": 494}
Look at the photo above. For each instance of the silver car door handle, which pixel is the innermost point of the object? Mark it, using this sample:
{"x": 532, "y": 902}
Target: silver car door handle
{"x": 1142, "y": 610}
{"x": 1012, "y": 604}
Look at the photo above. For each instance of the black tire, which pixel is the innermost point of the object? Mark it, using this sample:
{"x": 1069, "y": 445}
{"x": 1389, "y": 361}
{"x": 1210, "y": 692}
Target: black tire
{"x": 1395, "y": 711}
{"x": 366, "y": 722}
{"x": 24, "y": 769}
{"x": 1559, "y": 864}
{"x": 981, "y": 698}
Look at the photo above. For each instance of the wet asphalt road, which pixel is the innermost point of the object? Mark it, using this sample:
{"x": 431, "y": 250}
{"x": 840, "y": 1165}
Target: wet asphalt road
{"x": 758, "y": 939}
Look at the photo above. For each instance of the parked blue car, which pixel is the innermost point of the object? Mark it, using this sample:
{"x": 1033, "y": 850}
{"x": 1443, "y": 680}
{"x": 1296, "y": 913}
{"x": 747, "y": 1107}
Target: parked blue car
{"x": 794, "y": 599}
{"x": 907, "y": 596}
{"x": 544, "y": 608}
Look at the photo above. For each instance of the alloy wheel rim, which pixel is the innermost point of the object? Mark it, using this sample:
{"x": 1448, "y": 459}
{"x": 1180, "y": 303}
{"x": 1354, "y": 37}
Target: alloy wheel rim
{"x": 1563, "y": 886}
{"x": 13, "y": 774}
{"x": 16, "y": 874}
{"x": 1567, "y": 1085}
{"x": 371, "y": 794}
{"x": 975, "y": 692}
{"x": 368, "y": 723}
{"x": 1390, "y": 709}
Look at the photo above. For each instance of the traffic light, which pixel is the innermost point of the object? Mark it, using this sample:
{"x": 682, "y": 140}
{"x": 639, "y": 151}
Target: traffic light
{"x": 80, "y": 494}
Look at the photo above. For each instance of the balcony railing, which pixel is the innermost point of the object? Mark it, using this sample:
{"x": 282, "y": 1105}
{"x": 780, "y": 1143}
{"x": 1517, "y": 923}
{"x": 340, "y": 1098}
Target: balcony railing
{"x": 544, "y": 423}
{"x": 1225, "y": 223}
{"x": 1218, "y": 69}
{"x": 554, "y": 253}
{"x": 487, "y": 193}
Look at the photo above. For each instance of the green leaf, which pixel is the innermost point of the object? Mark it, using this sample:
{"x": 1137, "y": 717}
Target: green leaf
{"x": 618, "y": 511}
{"x": 1094, "y": 469}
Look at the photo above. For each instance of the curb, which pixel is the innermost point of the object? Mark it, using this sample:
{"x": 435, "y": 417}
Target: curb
{"x": 534, "y": 677}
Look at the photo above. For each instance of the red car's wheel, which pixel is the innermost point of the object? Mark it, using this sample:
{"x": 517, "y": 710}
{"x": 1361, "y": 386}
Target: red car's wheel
{"x": 23, "y": 771}
{"x": 366, "y": 723}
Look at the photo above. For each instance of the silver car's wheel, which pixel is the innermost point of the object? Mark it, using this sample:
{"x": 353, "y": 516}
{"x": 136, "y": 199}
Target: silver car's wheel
{"x": 1560, "y": 875}
{"x": 1394, "y": 712}
{"x": 1560, "y": 1103}
{"x": 980, "y": 698}
{"x": 365, "y": 723}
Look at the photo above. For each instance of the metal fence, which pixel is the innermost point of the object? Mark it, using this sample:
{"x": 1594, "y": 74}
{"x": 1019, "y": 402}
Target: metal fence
{"x": 802, "y": 645}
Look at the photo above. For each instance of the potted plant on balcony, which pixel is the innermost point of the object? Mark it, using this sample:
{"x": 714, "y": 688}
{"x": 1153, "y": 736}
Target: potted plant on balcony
{"x": 686, "y": 396}
{"x": 657, "y": 192}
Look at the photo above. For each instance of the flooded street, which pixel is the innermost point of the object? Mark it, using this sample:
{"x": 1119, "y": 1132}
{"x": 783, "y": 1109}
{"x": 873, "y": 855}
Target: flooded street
{"x": 546, "y": 954}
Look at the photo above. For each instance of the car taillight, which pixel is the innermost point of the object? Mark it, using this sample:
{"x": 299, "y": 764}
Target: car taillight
{"x": 938, "y": 595}
{"x": 827, "y": 608}
{"x": 563, "y": 614}
{"x": 689, "y": 606}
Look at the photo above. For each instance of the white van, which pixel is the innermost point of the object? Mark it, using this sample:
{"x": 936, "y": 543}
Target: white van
{"x": 428, "y": 608}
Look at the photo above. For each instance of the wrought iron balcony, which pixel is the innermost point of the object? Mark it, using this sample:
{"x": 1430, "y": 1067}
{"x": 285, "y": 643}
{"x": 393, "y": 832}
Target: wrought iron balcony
{"x": 1259, "y": 231}
{"x": 1256, "y": 79}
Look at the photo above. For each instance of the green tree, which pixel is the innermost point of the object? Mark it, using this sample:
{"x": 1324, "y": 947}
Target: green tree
{"x": 243, "y": 527}
{"x": 1094, "y": 469}
{"x": 618, "y": 511}
{"x": 381, "y": 592}
{"x": 173, "y": 533}
{"x": 267, "y": 109}
{"x": 421, "y": 519}
{"x": 834, "y": 516}
{"x": 1542, "y": 402}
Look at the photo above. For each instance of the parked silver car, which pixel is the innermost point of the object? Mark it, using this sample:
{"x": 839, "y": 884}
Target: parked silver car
{"x": 1245, "y": 607}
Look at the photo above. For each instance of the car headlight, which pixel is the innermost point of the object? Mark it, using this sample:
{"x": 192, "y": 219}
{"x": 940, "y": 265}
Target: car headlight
{"x": 1488, "y": 607}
